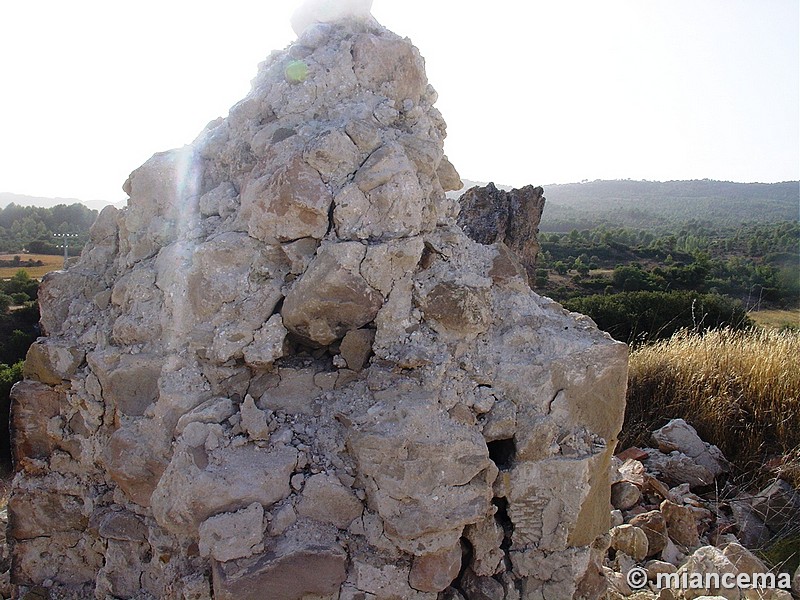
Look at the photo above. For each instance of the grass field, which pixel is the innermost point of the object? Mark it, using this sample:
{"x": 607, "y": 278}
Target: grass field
{"x": 739, "y": 389}
{"x": 51, "y": 263}
{"x": 775, "y": 319}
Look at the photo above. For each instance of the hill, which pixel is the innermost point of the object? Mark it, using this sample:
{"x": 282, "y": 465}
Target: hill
{"x": 7, "y": 198}
{"x": 656, "y": 205}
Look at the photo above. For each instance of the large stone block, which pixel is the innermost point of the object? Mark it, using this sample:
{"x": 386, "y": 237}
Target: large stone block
{"x": 50, "y": 363}
{"x": 490, "y": 215}
{"x": 425, "y": 475}
{"x": 33, "y": 404}
{"x": 289, "y": 205}
{"x": 332, "y": 297}
{"x": 384, "y": 201}
{"x": 305, "y": 562}
{"x": 326, "y": 500}
{"x": 196, "y": 486}
{"x": 129, "y": 382}
{"x": 135, "y": 458}
{"x": 390, "y": 66}
{"x": 37, "y": 513}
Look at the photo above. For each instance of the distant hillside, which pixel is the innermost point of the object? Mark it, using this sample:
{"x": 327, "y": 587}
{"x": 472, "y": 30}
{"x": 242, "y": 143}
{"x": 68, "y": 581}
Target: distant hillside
{"x": 7, "y": 198}
{"x": 657, "y": 205}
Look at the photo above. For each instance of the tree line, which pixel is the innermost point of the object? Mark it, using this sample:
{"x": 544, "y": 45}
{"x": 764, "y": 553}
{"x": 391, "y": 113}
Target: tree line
{"x": 31, "y": 228}
{"x": 644, "y": 284}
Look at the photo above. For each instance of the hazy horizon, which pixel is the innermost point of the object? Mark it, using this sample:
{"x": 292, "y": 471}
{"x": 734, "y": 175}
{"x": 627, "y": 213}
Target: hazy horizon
{"x": 532, "y": 93}
{"x": 7, "y": 197}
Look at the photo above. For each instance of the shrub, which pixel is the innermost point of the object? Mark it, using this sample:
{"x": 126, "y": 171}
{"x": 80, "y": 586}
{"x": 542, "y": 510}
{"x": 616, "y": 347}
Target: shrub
{"x": 637, "y": 317}
{"x": 5, "y": 302}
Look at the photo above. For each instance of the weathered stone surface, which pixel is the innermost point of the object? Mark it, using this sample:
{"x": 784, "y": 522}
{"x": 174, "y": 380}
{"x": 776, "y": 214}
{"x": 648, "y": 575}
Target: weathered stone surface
{"x": 678, "y": 435}
{"x": 37, "y": 514}
{"x": 708, "y": 559}
{"x": 385, "y": 200}
{"x": 129, "y": 382}
{"x": 631, "y": 540}
{"x": 681, "y": 524}
{"x": 197, "y": 484}
{"x": 50, "y": 363}
{"x": 676, "y": 468}
{"x": 334, "y": 155}
{"x": 299, "y": 565}
{"x": 396, "y": 64}
{"x": 486, "y": 538}
{"x": 233, "y": 535}
{"x": 326, "y": 500}
{"x": 332, "y": 298}
{"x": 134, "y": 463}
{"x": 374, "y": 579}
{"x": 254, "y": 420}
{"x": 448, "y": 176}
{"x": 752, "y": 532}
{"x": 625, "y": 495}
{"x": 744, "y": 560}
{"x": 459, "y": 308}
{"x": 654, "y": 526}
{"x": 121, "y": 573}
{"x": 489, "y": 215}
{"x": 284, "y": 371}
{"x": 656, "y": 567}
{"x": 476, "y": 587}
{"x": 778, "y": 505}
{"x": 289, "y": 205}
{"x": 403, "y": 464}
{"x": 67, "y": 557}
{"x": 121, "y": 525}
{"x": 435, "y": 572}
{"x": 33, "y": 404}
{"x": 356, "y": 348}
{"x": 267, "y": 345}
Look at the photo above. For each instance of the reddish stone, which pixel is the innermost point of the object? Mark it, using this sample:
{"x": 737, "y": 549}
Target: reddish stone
{"x": 633, "y": 452}
{"x": 435, "y": 572}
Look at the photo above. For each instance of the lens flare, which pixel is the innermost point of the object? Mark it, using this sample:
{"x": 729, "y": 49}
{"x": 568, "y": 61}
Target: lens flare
{"x": 296, "y": 71}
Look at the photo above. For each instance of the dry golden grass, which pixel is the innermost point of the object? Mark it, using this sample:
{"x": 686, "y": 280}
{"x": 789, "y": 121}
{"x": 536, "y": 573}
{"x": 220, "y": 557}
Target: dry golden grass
{"x": 740, "y": 390}
{"x": 51, "y": 263}
{"x": 776, "y": 319}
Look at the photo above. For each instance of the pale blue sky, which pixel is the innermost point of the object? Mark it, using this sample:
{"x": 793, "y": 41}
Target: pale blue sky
{"x": 533, "y": 92}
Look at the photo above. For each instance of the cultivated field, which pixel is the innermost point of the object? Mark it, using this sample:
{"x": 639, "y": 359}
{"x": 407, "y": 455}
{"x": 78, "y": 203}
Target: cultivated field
{"x": 50, "y": 263}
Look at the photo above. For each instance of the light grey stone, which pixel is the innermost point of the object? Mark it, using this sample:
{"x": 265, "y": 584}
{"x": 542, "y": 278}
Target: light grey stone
{"x": 229, "y": 536}
{"x": 286, "y": 331}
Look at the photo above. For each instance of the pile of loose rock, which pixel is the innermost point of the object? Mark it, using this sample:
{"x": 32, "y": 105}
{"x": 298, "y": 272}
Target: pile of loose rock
{"x": 284, "y": 370}
{"x": 670, "y": 515}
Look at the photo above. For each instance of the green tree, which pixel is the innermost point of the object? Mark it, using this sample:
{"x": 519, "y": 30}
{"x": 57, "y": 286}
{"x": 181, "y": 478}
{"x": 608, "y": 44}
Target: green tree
{"x": 581, "y": 267}
{"x": 636, "y": 317}
{"x": 5, "y": 302}
{"x": 22, "y": 283}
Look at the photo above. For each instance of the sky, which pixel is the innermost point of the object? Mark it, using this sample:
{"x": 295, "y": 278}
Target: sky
{"x": 534, "y": 92}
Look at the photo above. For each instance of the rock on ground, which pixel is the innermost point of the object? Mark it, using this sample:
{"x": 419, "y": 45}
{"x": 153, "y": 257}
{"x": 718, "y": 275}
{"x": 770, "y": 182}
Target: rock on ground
{"x": 284, "y": 366}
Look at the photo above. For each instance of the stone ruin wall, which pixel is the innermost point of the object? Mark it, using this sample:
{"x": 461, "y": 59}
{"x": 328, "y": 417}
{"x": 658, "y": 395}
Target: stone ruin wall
{"x": 285, "y": 371}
